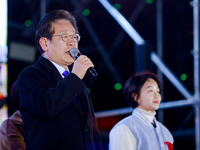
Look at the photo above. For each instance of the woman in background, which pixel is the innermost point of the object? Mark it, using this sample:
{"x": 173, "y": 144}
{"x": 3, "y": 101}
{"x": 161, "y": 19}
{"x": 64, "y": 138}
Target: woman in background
{"x": 141, "y": 130}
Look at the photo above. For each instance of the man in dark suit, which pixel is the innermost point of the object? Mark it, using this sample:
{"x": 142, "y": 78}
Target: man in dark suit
{"x": 57, "y": 111}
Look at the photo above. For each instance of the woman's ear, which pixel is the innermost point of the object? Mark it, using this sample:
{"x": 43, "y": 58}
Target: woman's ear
{"x": 44, "y": 43}
{"x": 134, "y": 96}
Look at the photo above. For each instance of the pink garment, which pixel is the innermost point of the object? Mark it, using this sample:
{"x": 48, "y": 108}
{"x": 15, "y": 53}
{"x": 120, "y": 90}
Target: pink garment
{"x": 11, "y": 133}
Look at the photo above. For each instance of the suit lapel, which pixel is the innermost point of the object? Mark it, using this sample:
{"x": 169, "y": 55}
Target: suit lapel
{"x": 49, "y": 68}
{"x": 52, "y": 70}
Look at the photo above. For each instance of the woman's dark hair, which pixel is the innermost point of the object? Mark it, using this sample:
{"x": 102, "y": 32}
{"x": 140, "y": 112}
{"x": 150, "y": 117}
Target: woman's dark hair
{"x": 44, "y": 27}
{"x": 134, "y": 85}
{"x": 14, "y": 94}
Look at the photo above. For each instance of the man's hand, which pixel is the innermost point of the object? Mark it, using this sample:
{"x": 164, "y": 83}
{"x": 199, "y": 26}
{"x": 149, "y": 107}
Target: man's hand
{"x": 81, "y": 65}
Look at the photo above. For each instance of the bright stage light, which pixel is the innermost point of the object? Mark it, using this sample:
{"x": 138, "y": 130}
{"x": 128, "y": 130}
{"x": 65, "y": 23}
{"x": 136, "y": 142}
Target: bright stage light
{"x": 3, "y": 24}
{"x": 3, "y": 31}
{"x": 3, "y": 60}
{"x": 123, "y": 22}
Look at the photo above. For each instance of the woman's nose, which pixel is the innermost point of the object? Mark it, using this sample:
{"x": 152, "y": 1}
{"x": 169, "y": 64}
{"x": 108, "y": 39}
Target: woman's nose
{"x": 156, "y": 94}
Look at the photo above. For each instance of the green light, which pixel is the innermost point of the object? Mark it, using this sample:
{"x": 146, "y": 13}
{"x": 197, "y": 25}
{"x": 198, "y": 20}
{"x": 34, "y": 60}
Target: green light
{"x": 117, "y": 86}
{"x": 86, "y": 12}
{"x": 149, "y": 1}
{"x": 183, "y": 77}
{"x": 27, "y": 23}
{"x": 88, "y": 90}
{"x": 117, "y": 6}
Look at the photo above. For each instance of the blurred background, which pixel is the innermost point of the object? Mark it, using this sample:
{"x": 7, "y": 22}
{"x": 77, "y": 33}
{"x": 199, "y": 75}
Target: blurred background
{"x": 165, "y": 27}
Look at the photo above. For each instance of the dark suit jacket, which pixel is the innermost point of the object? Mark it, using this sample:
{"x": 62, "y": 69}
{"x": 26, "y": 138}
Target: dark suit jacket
{"x": 51, "y": 118}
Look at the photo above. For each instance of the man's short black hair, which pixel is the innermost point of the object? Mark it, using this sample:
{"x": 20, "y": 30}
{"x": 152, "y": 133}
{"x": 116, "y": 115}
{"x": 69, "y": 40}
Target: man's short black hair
{"x": 44, "y": 27}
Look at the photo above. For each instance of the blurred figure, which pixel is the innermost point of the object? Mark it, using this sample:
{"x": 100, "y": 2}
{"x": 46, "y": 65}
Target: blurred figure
{"x": 11, "y": 130}
{"x": 56, "y": 108}
{"x": 141, "y": 130}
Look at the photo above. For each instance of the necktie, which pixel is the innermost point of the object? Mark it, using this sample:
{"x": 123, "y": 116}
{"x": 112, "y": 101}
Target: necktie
{"x": 154, "y": 124}
{"x": 65, "y": 73}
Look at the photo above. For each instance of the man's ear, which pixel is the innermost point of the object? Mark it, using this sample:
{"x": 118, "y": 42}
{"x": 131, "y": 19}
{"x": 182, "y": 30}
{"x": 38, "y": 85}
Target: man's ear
{"x": 44, "y": 43}
{"x": 134, "y": 96}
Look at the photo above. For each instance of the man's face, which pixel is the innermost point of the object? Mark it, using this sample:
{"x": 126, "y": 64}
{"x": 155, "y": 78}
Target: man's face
{"x": 58, "y": 50}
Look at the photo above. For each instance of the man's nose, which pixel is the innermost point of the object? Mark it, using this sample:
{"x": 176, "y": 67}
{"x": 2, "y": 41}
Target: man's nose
{"x": 71, "y": 42}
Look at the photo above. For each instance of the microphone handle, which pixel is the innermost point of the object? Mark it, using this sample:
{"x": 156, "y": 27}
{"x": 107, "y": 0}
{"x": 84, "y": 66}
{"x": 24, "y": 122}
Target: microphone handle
{"x": 90, "y": 70}
{"x": 76, "y": 56}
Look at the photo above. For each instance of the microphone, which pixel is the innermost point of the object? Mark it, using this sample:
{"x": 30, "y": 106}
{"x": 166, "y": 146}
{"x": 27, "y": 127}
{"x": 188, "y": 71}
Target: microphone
{"x": 74, "y": 52}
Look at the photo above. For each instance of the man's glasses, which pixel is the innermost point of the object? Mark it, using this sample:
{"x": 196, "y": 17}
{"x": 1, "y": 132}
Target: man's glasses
{"x": 65, "y": 37}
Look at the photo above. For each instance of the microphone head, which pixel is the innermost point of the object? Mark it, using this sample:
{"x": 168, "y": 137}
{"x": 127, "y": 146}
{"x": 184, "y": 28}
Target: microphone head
{"x": 74, "y": 52}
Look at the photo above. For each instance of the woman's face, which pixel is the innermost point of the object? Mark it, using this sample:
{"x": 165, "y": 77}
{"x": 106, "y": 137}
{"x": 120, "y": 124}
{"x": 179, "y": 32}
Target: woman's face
{"x": 150, "y": 97}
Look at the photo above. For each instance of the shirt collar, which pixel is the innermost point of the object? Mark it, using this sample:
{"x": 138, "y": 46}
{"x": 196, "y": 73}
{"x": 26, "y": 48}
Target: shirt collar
{"x": 59, "y": 68}
{"x": 149, "y": 116}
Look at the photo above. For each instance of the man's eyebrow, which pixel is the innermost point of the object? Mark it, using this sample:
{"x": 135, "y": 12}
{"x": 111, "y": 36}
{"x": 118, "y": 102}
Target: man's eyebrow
{"x": 66, "y": 31}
